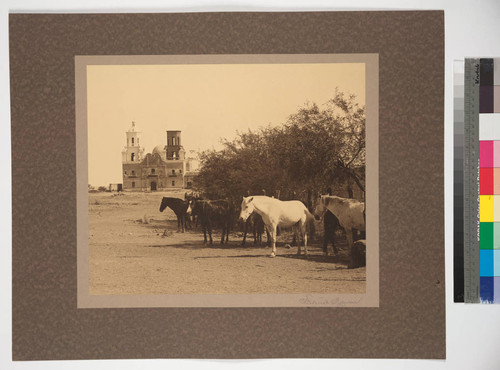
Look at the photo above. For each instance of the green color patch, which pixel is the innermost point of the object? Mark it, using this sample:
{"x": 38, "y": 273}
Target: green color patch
{"x": 486, "y": 235}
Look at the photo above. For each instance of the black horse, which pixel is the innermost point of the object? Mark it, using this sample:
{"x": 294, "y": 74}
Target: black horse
{"x": 256, "y": 224}
{"x": 179, "y": 207}
{"x": 213, "y": 213}
{"x": 331, "y": 225}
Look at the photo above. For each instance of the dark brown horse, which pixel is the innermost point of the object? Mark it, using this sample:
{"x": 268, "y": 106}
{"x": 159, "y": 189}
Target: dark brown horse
{"x": 179, "y": 207}
{"x": 211, "y": 214}
{"x": 256, "y": 224}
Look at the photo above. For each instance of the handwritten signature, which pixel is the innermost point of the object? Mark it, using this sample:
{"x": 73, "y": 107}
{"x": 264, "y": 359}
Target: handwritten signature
{"x": 329, "y": 301}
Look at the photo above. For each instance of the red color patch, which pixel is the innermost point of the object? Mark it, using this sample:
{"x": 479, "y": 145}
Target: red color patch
{"x": 486, "y": 181}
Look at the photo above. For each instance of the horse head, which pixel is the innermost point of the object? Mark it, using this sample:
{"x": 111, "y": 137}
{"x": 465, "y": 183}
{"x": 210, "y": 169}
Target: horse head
{"x": 163, "y": 205}
{"x": 194, "y": 207}
{"x": 247, "y": 207}
{"x": 320, "y": 209}
{"x": 190, "y": 207}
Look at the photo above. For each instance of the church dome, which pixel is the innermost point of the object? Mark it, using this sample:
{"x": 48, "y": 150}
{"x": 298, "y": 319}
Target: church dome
{"x": 159, "y": 149}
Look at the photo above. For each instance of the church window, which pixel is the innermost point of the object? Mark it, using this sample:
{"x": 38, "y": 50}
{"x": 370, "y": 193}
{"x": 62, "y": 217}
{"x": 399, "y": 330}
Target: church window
{"x": 173, "y": 172}
{"x": 132, "y": 157}
{"x": 173, "y": 183}
{"x": 152, "y": 171}
{"x": 133, "y": 184}
{"x": 133, "y": 173}
{"x": 132, "y": 141}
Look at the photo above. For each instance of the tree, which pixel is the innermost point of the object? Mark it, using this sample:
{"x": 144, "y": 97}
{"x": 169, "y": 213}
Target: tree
{"x": 314, "y": 149}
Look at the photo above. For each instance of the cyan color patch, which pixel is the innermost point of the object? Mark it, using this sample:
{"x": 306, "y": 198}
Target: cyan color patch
{"x": 486, "y": 262}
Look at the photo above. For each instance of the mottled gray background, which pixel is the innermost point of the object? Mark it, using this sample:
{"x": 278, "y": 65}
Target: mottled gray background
{"x": 410, "y": 322}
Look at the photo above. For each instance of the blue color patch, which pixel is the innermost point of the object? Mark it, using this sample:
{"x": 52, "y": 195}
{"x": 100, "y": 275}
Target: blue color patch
{"x": 486, "y": 289}
{"x": 486, "y": 262}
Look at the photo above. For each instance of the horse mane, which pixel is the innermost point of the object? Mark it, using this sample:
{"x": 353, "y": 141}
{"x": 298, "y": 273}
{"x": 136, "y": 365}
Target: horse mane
{"x": 332, "y": 199}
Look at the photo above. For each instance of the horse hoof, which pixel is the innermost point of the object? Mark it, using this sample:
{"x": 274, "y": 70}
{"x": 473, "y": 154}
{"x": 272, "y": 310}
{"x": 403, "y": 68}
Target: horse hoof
{"x": 272, "y": 255}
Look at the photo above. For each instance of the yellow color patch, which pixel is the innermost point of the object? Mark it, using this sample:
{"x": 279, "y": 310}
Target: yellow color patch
{"x": 486, "y": 208}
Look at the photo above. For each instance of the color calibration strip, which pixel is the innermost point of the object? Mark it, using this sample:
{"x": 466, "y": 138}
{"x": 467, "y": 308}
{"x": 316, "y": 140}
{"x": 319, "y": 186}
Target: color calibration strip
{"x": 477, "y": 181}
{"x": 489, "y": 181}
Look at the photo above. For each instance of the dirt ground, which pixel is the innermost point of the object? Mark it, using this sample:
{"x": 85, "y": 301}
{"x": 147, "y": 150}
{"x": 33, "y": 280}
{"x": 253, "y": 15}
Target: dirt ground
{"x": 136, "y": 249}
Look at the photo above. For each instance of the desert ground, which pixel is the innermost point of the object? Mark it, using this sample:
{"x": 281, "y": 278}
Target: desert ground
{"x": 136, "y": 249}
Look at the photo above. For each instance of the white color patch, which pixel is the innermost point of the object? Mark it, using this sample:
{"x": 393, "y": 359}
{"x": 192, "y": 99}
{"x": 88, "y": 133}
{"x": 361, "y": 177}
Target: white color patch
{"x": 489, "y": 126}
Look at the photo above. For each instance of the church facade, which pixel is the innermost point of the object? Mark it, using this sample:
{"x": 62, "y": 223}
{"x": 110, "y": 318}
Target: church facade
{"x": 166, "y": 167}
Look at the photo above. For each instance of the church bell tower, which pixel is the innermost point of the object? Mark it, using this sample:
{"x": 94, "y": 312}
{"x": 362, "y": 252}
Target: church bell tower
{"x": 174, "y": 148}
{"x": 133, "y": 151}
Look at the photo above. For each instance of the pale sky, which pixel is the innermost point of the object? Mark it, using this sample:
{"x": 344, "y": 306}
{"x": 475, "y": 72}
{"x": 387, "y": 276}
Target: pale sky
{"x": 205, "y": 101}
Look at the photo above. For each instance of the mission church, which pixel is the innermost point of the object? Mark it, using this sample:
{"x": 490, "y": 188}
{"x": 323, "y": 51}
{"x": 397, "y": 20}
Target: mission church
{"x": 166, "y": 167}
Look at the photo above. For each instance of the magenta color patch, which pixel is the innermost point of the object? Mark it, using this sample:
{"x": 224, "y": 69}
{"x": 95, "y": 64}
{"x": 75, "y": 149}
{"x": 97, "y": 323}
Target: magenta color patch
{"x": 486, "y": 153}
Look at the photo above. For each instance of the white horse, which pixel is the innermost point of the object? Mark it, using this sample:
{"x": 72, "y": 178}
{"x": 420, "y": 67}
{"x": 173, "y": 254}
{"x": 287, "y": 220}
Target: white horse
{"x": 276, "y": 213}
{"x": 350, "y": 213}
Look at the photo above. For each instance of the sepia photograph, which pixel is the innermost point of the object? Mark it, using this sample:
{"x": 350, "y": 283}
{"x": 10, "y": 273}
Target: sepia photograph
{"x": 227, "y": 181}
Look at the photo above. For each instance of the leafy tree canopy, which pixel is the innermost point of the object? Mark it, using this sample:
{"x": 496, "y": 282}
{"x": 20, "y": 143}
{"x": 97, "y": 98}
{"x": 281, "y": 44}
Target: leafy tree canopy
{"x": 313, "y": 150}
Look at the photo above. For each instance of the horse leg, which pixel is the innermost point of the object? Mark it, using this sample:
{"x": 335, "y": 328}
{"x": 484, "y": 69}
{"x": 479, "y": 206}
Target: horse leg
{"x": 204, "y": 234}
{"x": 296, "y": 237}
{"x": 209, "y": 227}
{"x": 272, "y": 233}
{"x": 223, "y": 234}
{"x": 303, "y": 229}
{"x": 183, "y": 223}
{"x": 245, "y": 233}
{"x": 348, "y": 234}
{"x": 332, "y": 238}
